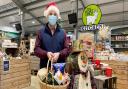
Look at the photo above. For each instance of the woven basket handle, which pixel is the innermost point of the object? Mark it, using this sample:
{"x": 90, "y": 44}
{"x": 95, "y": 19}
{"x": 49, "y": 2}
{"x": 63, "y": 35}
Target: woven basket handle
{"x": 48, "y": 65}
{"x": 48, "y": 70}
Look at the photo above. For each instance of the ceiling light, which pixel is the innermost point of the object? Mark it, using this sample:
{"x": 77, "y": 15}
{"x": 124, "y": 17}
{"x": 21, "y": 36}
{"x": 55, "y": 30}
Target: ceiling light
{"x": 13, "y": 25}
{"x": 33, "y": 22}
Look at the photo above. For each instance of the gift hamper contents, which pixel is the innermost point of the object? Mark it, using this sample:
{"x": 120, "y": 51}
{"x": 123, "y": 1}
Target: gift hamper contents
{"x": 56, "y": 76}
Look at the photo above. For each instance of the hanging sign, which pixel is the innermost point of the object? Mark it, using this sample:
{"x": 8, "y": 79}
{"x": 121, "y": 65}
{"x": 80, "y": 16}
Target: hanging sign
{"x": 91, "y": 17}
{"x": 91, "y": 28}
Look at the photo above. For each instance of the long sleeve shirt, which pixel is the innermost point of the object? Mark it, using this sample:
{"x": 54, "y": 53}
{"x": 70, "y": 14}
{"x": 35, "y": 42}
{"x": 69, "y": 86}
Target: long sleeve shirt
{"x": 46, "y": 42}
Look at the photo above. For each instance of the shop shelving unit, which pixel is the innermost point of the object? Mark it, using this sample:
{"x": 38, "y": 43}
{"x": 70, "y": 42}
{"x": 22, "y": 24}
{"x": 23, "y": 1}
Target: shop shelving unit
{"x": 119, "y": 38}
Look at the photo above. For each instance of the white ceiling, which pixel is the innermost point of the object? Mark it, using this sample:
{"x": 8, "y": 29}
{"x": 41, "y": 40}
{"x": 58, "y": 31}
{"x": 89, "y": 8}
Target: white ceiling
{"x": 113, "y": 12}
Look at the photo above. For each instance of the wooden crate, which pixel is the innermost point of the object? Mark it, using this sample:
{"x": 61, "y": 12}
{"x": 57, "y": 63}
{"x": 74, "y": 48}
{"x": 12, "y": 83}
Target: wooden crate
{"x": 18, "y": 76}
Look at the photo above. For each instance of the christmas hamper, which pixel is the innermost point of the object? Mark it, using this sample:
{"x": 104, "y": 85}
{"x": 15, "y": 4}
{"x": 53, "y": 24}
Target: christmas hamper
{"x": 48, "y": 81}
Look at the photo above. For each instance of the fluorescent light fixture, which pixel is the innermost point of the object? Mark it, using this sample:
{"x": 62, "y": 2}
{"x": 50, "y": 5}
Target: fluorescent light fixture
{"x": 33, "y": 22}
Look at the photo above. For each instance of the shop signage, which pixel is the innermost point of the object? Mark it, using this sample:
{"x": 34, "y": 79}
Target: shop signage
{"x": 91, "y": 17}
{"x": 91, "y": 28}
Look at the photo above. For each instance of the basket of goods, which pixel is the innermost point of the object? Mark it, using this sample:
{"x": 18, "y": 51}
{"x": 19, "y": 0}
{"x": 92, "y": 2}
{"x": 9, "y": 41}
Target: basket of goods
{"x": 55, "y": 78}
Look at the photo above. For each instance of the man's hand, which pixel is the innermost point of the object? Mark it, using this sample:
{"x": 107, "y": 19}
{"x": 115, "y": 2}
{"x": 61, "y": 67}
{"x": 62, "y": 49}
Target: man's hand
{"x": 56, "y": 56}
{"x": 50, "y": 55}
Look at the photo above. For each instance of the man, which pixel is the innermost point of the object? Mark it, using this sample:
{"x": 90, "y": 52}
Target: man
{"x": 51, "y": 42}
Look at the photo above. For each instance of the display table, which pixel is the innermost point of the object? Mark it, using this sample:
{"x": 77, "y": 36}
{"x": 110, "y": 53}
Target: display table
{"x": 104, "y": 82}
{"x": 18, "y": 76}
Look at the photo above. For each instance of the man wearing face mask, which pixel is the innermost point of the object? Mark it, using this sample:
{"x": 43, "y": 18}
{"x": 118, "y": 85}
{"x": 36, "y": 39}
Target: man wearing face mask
{"x": 51, "y": 42}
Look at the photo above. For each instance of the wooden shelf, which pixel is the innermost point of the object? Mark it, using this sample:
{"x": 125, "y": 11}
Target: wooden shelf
{"x": 120, "y": 47}
{"x": 119, "y": 40}
{"x": 119, "y": 37}
{"x": 10, "y": 47}
{"x": 119, "y": 34}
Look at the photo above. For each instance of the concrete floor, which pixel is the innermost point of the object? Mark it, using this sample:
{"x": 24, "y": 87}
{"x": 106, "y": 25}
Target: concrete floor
{"x": 34, "y": 83}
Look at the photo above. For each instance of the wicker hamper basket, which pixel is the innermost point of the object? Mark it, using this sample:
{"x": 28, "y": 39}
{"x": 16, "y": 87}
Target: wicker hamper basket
{"x": 47, "y": 86}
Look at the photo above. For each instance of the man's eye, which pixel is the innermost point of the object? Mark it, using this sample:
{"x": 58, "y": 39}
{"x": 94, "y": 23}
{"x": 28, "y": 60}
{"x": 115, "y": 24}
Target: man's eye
{"x": 50, "y": 13}
{"x": 55, "y": 14}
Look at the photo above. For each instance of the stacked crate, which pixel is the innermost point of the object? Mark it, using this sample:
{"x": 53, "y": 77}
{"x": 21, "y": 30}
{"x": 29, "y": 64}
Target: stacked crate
{"x": 18, "y": 76}
{"x": 120, "y": 70}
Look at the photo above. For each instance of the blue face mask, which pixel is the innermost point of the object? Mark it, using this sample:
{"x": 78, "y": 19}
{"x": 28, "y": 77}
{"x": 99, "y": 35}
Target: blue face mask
{"x": 52, "y": 19}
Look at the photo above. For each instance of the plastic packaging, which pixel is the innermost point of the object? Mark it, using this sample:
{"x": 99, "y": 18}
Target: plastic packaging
{"x": 59, "y": 66}
{"x": 59, "y": 77}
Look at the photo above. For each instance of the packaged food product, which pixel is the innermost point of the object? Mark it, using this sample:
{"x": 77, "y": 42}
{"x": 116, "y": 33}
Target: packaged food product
{"x": 59, "y": 66}
{"x": 59, "y": 77}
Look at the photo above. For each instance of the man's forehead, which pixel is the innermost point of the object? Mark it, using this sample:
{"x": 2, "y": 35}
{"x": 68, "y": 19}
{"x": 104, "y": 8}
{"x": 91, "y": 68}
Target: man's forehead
{"x": 52, "y": 11}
